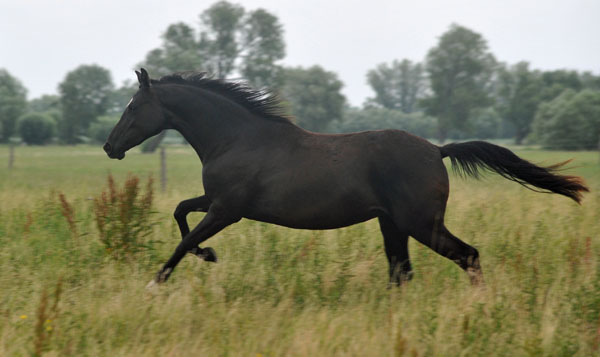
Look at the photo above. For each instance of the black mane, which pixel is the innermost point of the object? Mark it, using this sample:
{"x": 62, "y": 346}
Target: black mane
{"x": 261, "y": 102}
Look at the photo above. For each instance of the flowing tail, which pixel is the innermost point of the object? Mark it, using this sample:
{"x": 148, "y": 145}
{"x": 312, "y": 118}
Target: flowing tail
{"x": 470, "y": 157}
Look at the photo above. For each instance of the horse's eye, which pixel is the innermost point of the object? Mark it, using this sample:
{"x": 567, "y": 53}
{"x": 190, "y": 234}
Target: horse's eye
{"x": 130, "y": 108}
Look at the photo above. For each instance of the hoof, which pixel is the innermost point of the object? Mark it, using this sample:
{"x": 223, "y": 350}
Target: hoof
{"x": 476, "y": 277}
{"x": 207, "y": 254}
{"x": 162, "y": 276}
{"x": 474, "y": 272}
{"x": 152, "y": 286}
{"x": 401, "y": 278}
{"x": 406, "y": 276}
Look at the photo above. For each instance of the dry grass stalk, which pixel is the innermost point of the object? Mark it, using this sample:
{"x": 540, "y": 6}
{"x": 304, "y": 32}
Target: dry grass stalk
{"x": 45, "y": 319}
{"x": 69, "y": 213}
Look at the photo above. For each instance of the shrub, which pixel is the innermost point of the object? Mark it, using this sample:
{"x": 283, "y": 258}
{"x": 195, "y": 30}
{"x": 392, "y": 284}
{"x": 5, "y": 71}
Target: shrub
{"x": 124, "y": 217}
{"x": 372, "y": 118}
{"x": 571, "y": 121}
{"x": 36, "y": 128}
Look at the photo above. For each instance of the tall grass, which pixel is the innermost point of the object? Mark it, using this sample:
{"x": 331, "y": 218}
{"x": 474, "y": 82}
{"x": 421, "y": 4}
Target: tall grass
{"x": 277, "y": 291}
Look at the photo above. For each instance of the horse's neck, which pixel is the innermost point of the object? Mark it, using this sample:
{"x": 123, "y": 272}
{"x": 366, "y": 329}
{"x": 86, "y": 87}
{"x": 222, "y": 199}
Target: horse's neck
{"x": 207, "y": 121}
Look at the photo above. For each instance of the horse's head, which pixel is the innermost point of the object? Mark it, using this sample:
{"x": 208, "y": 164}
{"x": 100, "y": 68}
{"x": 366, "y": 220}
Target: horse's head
{"x": 143, "y": 117}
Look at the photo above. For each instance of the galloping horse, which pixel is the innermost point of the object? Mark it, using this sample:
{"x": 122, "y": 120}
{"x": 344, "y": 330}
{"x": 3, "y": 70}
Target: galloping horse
{"x": 257, "y": 164}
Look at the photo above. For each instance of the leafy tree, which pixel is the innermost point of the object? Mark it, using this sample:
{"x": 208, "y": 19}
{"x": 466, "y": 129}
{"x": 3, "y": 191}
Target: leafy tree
{"x": 44, "y": 103}
{"x": 36, "y": 128}
{"x": 84, "y": 95}
{"x": 459, "y": 69}
{"x": 518, "y": 97}
{"x": 485, "y": 123}
{"x": 555, "y": 82}
{"x": 229, "y": 40}
{"x": 180, "y": 52}
{"x": 397, "y": 86}
{"x": 221, "y": 22}
{"x": 263, "y": 46}
{"x": 315, "y": 96}
{"x": 590, "y": 81}
{"x": 570, "y": 121}
{"x": 13, "y": 103}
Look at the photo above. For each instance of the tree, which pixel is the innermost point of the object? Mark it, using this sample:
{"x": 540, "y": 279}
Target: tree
{"x": 556, "y": 82}
{"x": 485, "y": 123}
{"x": 397, "y": 86}
{"x": 518, "y": 97}
{"x": 459, "y": 69}
{"x": 221, "y": 23}
{"x": 44, "y": 103}
{"x": 84, "y": 95}
{"x": 229, "y": 40}
{"x": 36, "y": 128}
{"x": 13, "y": 103}
{"x": 570, "y": 121}
{"x": 180, "y": 52}
{"x": 263, "y": 46}
{"x": 315, "y": 96}
{"x": 590, "y": 81}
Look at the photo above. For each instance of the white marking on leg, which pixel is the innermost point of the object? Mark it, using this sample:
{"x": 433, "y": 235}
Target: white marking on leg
{"x": 152, "y": 285}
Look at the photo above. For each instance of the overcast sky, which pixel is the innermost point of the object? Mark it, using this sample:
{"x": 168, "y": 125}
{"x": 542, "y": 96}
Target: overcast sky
{"x": 42, "y": 40}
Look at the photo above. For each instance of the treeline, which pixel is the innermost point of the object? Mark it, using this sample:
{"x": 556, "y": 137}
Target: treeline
{"x": 459, "y": 90}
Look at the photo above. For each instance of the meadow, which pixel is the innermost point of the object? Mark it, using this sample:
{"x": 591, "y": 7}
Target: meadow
{"x": 283, "y": 292}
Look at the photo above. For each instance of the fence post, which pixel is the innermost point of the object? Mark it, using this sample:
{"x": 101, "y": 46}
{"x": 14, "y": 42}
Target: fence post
{"x": 11, "y": 156}
{"x": 163, "y": 169}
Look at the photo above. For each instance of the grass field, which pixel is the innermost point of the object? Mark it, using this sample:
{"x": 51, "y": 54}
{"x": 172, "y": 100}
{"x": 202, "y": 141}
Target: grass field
{"x": 277, "y": 291}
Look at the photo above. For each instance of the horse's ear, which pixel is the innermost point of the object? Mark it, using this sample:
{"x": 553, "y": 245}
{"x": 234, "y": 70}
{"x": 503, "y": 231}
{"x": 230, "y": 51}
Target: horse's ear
{"x": 143, "y": 78}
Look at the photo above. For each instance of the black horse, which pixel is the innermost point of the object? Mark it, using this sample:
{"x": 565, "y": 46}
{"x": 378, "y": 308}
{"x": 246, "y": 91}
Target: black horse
{"x": 257, "y": 164}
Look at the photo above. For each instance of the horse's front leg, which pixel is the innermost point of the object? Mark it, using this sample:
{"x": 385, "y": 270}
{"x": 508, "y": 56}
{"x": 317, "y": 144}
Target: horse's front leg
{"x": 215, "y": 220}
{"x": 198, "y": 204}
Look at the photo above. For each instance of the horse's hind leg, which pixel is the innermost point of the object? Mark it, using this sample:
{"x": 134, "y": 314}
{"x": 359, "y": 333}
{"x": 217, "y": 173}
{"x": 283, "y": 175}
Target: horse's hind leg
{"x": 396, "y": 249}
{"x": 438, "y": 238}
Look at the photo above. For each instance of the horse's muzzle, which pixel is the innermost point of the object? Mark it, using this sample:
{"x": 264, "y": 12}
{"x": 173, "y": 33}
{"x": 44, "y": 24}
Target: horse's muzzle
{"x": 109, "y": 151}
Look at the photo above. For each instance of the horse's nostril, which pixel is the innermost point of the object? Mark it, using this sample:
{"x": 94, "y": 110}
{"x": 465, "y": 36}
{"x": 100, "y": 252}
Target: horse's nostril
{"x": 107, "y": 148}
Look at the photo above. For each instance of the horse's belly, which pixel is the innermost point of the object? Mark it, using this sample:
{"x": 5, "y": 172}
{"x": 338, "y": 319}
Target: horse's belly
{"x": 315, "y": 210}
{"x": 315, "y": 222}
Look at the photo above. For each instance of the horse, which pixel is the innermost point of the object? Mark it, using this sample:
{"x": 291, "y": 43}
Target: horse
{"x": 257, "y": 164}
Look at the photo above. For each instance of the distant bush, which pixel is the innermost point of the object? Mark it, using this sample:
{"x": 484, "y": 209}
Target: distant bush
{"x": 36, "y": 128}
{"x": 372, "y": 118}
{"x": 100, "y": 129}
{"x": 124, "y": 217}
{"x": 571, "y": 121}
